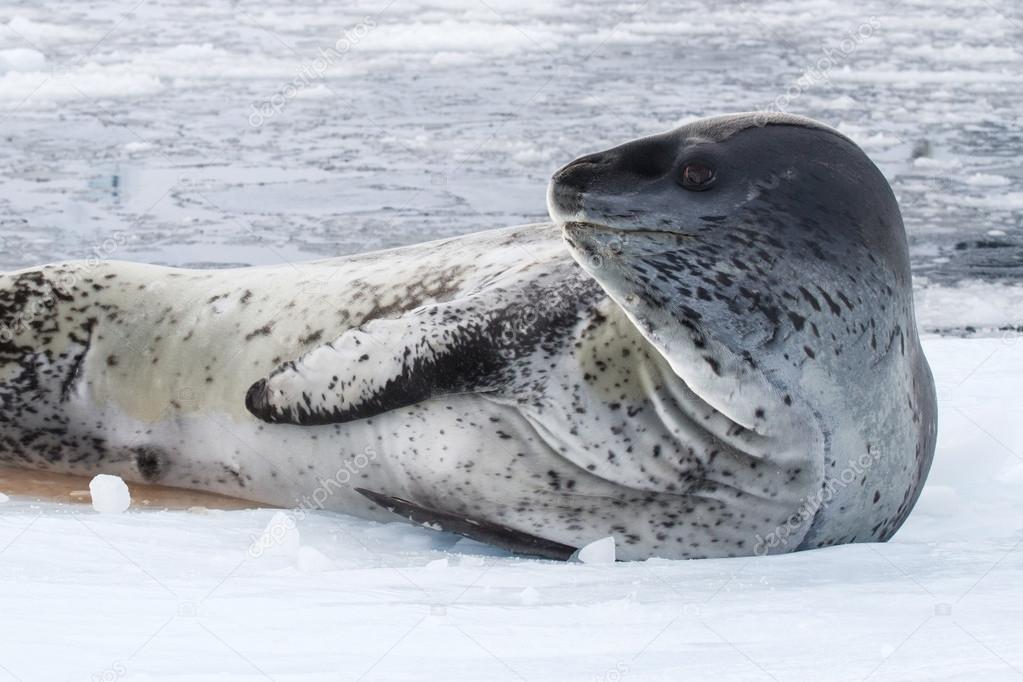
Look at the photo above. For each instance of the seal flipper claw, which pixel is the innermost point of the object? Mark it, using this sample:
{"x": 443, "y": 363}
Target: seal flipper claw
{"x": 484, "y": 531}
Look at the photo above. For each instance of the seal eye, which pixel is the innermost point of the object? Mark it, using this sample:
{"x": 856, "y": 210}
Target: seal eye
{"x": 697, "y": 176}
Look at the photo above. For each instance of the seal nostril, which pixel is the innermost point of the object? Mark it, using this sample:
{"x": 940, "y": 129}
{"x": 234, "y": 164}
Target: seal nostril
{"x": 595, "y": 160}
{"x": 576, "y": 175}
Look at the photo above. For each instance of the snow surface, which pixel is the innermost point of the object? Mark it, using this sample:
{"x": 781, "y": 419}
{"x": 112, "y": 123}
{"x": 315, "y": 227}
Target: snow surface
{"x": 223, "y": 132}
{"x": 270, "y": 594}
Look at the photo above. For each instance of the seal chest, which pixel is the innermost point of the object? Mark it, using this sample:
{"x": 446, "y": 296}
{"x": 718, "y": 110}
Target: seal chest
{"x": 716, "y": 330}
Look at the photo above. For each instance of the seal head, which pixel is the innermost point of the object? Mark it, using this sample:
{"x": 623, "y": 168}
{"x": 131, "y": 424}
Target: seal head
{"x": 765, "y": 257}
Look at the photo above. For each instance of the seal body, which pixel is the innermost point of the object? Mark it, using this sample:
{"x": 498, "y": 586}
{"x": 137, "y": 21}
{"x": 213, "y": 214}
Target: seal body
{"x": 694, "y": 379}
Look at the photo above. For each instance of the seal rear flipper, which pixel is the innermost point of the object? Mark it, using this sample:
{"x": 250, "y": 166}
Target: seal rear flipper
{"x": 483, "y": 531}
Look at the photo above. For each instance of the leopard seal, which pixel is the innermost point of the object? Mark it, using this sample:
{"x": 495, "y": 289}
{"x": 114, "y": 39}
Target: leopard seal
{"x": 710, "y": 352}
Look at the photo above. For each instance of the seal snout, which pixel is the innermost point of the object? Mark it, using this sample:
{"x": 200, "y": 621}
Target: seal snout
{"x": 603, "y": 186}
{"x": 569, "y": 184}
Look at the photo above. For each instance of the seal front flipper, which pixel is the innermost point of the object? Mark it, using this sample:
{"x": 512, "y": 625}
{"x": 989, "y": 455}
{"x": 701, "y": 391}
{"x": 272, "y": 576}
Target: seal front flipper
{"x": 477, "y": 344}
{"x": 483, "y": 531}
{"x": 380, "y": 366}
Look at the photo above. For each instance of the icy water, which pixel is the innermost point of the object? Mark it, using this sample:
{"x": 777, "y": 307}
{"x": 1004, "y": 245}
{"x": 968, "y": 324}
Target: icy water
{"x": 222, "y": 133}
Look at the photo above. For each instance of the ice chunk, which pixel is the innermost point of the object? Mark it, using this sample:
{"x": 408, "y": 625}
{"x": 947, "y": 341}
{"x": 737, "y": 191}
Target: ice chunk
{"x": 529, "y": 596}
{"x": 3, "y": 498}
{"x": 109, "y": 494}
{"x": 136, "y": 146}
{"x": 987, "y": 180}
{"x": 600, "y": 551}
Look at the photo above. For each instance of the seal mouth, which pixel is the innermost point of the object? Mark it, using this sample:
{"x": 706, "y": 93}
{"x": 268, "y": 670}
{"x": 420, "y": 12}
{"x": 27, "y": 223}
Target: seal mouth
{"x": 584, "y": 223}
{"x": 578, "y": 225}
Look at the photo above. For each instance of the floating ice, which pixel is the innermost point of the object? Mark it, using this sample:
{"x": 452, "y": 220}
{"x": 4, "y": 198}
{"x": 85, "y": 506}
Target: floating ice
{"x": 22, "y": 59}
{"x": 987, "y": 180}
{"x": 974, "y": 303}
